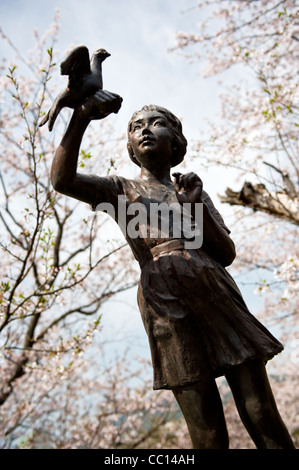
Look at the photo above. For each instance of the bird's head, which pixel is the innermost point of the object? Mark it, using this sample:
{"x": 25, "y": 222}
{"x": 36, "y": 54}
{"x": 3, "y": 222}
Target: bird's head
{"x": 100, "y": 54}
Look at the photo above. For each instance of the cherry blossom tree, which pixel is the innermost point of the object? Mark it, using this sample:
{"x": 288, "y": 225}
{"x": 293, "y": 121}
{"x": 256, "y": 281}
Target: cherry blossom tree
{"x": 58, "y": 266}
{"x": 253, "y": 49}
{"x": 57, "y": 388}
{"x": 92, "y": 402}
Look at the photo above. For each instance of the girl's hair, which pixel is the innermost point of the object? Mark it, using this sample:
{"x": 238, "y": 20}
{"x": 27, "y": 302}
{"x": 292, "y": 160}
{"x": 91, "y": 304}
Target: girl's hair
{"x": 179, "y": 143}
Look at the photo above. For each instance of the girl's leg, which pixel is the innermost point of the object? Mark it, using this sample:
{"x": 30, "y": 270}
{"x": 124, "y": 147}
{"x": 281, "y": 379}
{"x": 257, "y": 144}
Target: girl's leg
{"x": 256, "y": 405}
{"x": 202, "y": 409}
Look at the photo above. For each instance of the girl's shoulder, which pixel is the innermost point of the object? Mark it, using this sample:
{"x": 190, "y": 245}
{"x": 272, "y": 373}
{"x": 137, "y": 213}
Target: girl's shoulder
{"x": 110, "y": 187}
{"x": 215, "y": 213}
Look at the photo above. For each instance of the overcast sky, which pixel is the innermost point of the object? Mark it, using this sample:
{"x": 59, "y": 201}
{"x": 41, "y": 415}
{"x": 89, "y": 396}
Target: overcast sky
{"x": 138, "y": 34}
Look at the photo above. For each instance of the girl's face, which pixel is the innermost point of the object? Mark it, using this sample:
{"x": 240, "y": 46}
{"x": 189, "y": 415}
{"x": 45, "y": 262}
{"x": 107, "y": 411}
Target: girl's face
{"x": 151, "y": 139}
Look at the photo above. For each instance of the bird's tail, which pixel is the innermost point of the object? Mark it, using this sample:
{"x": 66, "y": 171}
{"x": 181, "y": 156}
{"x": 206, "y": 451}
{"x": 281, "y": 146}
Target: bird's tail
{"x": 51, "y": 116}
{"x": 55, "y": 110}
{"x": 44, "y": 120}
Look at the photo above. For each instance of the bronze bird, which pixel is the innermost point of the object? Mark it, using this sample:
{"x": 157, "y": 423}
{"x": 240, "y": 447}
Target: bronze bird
{"x": 85, "y": 79}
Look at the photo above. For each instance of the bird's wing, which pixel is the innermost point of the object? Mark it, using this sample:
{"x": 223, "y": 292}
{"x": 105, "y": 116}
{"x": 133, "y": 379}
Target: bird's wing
{"x": 76, "y": 65}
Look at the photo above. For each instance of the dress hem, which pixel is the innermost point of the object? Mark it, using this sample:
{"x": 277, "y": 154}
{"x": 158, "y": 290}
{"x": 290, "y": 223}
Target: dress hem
{"x": 220, "y": 372}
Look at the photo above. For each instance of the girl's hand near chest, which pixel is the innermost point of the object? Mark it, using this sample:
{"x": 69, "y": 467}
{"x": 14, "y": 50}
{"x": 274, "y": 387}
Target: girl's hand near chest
{"x": 188, "y": 187}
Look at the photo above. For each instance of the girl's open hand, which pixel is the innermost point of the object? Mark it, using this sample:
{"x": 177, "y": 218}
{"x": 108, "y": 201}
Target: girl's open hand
{"x": 100, "y": 105}
{"x": 188, "y": 187}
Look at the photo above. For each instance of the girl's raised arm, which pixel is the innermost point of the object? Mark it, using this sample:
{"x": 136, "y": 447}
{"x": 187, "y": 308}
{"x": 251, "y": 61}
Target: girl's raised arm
{"x": 64, "y": 176}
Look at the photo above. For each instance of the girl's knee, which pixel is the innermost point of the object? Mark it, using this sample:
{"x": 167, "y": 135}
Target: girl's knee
{"x": 253, "y": 410}
{"x": 216, "y": 438}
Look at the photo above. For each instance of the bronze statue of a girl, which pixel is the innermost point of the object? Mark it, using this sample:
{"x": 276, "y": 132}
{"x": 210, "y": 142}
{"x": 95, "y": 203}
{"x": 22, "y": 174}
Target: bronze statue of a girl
{"x": 198, "y": 325}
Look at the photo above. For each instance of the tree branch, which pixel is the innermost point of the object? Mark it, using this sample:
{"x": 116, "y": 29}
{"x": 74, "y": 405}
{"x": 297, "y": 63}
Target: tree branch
{"x": 258, "y": 198}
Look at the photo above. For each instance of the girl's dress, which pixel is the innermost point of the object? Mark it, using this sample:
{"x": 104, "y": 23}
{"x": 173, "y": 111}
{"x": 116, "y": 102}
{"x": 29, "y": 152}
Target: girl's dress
{"x": 195, "y": 317}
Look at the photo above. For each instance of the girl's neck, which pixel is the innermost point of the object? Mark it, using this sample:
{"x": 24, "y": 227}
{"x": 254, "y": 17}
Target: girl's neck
{"x": 160, "y": 174}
